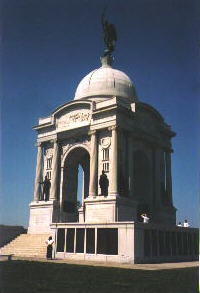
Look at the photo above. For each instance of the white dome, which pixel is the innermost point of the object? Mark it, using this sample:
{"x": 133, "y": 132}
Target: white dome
{"x": 105, "y": 82}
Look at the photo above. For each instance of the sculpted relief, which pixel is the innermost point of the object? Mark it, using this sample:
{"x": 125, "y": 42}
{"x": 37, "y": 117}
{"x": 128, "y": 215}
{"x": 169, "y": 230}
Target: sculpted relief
{"x": 49, "y": 153}
{"x": 73, "y": 119}
{"x": 105, "y": 142}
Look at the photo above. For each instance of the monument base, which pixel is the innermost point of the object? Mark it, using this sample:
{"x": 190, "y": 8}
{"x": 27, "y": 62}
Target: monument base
{"x": 108, "y": 209}
{"x": 167, "y": 215}
{"x": 42, "y": 214}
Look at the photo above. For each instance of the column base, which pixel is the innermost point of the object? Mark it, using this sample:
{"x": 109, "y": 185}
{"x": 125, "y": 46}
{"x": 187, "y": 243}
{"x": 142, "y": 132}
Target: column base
{"x": 92, "y": 195}
{"x": 113, "y": 195}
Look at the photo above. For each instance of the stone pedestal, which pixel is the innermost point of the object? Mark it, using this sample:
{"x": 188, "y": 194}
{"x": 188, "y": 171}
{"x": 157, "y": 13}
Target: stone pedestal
{"x": 126, "y": 209}
{"x": 42, "y": 214}
{"x": 167, "y": 215}
{"x": 109, "y": 209}
{"x": 100, "y": 209}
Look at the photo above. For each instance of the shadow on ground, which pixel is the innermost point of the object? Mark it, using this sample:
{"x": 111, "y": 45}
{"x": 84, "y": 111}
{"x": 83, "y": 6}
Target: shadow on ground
{"x": 35, "y": 277}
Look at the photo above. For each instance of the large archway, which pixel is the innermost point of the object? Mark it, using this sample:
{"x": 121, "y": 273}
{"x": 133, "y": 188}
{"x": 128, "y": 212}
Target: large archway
{"x": 75, "y": 186}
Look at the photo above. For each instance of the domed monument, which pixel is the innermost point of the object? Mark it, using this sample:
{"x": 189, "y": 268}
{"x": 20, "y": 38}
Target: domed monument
{"x": 123, "y": 147}
{"x": 105, "y": 82}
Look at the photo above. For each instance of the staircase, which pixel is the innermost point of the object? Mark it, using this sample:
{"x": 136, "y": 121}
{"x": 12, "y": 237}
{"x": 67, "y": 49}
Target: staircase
{"x": 26, "y": 245}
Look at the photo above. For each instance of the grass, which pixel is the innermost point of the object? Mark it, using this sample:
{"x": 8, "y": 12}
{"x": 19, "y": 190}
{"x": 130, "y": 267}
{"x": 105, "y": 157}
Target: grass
{"x": 35, "y": 277}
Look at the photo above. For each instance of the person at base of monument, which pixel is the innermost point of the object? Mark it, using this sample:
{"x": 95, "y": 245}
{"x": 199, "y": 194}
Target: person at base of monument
{"x": 179, "y": 224}
{"x": 46, "y": 188}
{"x": 186, "y": 224}
{"x": 145, "y": 218}
{"x": 104, "y": 183}
{"x": 49, "y": 243}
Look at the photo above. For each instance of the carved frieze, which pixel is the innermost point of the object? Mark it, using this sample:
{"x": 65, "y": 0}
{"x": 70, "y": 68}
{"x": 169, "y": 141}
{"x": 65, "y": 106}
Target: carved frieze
{"x": 73, "y": 119}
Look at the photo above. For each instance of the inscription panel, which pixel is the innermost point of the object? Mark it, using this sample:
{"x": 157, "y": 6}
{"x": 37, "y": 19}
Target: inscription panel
{"x": 100, "y": 213}
{"x": 76, "y": 118}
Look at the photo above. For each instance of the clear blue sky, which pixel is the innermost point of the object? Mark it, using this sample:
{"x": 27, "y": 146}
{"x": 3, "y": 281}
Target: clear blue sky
{"x": 49, "y": 45}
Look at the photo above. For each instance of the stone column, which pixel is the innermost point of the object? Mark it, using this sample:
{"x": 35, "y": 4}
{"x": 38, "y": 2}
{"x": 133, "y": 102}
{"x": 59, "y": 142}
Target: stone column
{"x": 130, "y": 165}
{"x": 162, "y": 167}
{"x": 61, "y": 194}
{"x": 54, "y": 178}
{"x": 157, "y": 176}
{"x": 168, "y": 176}
{"x": 113, "y": 184}
{"x": 38, "y": 175}
{"x": 93, "y": 164}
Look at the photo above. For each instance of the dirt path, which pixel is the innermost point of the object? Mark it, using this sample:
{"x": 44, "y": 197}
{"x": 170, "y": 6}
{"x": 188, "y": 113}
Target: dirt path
{"x": 160, "y": 266}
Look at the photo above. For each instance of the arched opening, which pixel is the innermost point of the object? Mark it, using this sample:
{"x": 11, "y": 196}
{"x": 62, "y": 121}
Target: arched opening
{"x": 142, "y": 183}
{"x": 80, "y": 188}
{"x": 75, "y": 183}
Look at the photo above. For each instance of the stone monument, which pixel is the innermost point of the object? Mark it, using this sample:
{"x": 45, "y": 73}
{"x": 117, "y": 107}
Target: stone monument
{"x": 105, "y": 128}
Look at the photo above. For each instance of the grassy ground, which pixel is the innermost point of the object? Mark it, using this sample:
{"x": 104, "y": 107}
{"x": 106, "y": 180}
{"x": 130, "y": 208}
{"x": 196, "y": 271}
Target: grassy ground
{"x": 35, "y": 277}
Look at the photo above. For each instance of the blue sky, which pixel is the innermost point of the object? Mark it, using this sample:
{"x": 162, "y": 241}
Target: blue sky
{"x": 48, "y": 46}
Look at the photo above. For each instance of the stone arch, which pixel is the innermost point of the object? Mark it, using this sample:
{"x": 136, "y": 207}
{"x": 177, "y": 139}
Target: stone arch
{"x": 76, "y": 156}
{"x": 71, "y": 148}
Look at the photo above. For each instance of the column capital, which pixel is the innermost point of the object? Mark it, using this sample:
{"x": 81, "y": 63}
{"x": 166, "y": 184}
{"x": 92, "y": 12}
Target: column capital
{"x": 54, "y": 140}
{"x": 91, "y": 132}
{"x": 38, "y": 144}
{"x": 113, "y": 127}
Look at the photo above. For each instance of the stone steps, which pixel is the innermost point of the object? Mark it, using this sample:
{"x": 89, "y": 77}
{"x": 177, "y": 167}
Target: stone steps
{"x": 28, "y": 245}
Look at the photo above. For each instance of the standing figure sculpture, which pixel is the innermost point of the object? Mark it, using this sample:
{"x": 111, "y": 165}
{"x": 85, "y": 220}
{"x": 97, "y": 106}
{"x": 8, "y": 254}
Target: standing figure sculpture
{"x": 104, "y": 183}
{"x": 46, "y": 189}
{"x": 110, "y": 35}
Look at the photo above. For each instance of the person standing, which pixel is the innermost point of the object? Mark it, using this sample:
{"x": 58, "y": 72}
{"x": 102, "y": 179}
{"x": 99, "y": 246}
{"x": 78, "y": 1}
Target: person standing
{"x": 145, "y": 218}
{"x": 49, "y": 243}
{"x": 186, "y": 224}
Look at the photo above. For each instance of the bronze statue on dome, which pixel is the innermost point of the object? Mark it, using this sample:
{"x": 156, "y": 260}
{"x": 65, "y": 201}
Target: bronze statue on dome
{"x": 110, "y": 35}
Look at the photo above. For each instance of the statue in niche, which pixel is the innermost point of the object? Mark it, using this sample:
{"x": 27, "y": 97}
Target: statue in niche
{"x": 110, "y": 35}
{"x": 104, "y": 183}
{"x": 46, "y": 188}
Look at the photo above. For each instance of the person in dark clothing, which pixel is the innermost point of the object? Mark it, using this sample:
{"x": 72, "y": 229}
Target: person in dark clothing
{"x": 104, "y": 183}
{"x": 46, "y": 188}
{"x": 49, "y": 243}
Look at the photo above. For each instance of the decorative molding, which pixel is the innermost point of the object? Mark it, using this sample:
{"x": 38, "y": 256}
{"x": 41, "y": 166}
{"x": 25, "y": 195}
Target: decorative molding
{"x": 105, "y": 142}
{"x": 69, "y": 147}
{"x": 92, "y": 132}
{"x": 49, "y": 153}
{"x": 113, "y": 127}
{"x": 71, "y": 119}
{"x": 38, "y": 144}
